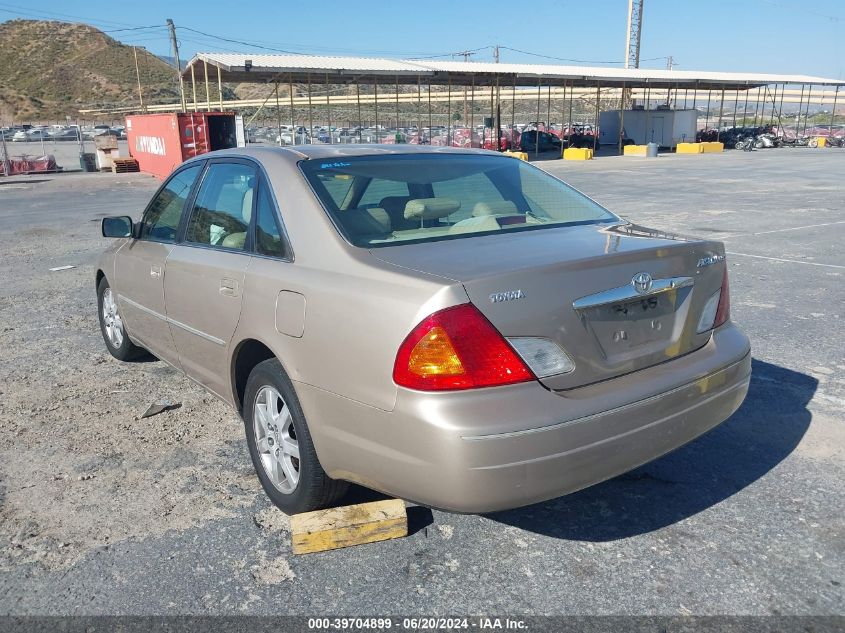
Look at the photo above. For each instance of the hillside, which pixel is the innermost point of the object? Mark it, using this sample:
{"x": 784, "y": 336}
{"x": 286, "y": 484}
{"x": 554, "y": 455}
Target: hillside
{"x": 51, "y": 69}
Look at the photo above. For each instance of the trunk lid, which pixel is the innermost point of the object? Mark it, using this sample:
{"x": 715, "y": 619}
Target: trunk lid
{"x": 574, "y": 285}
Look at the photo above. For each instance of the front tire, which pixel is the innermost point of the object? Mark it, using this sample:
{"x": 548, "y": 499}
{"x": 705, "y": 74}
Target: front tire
{"x": 280, "y": 443}
{"x": 112, "y": 327}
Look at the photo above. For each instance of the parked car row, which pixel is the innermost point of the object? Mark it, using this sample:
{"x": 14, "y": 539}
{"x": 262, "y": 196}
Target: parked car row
{"x": 520, "y": 136}
{"x": 39, "y": 133}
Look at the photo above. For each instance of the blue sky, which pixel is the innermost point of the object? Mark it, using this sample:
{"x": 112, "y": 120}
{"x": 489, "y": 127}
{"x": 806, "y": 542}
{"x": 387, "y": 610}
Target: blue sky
{"x": 785, "y": 36}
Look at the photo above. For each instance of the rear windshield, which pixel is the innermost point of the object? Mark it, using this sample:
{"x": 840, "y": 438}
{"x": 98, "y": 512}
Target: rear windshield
{"x": 389, "y": 200}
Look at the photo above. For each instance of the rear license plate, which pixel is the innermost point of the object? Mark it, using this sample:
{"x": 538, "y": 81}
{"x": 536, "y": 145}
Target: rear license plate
{"x": 634, "y": 323}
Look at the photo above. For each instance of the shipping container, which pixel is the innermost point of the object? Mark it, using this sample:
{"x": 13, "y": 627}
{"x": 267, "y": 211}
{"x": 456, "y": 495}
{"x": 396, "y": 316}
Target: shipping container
{"x": 667, "y": 128}
{"x": 161, "y": 142}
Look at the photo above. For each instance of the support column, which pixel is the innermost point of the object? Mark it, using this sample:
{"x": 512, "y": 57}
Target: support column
{"x": 358, "y": 99}
{"x": 807, "y": 111}
{"x": 292, "y": 112}
{"x": 278, "y": 111}
{"x": 537, "y": 121}
{"x": 375, "y": 100}
{"x": 219, "y": 89}
{"x": 310, "y": 114}
{"x": 207, "y": 93}
{"x": 194, "y": 87}
{"x": 621, "y": 140}
{"x": 596, "y": 123}
{"x": 329, "y": 110}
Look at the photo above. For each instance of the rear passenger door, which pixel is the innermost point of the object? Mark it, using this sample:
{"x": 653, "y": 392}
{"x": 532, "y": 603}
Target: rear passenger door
{"x": 205, "y": 271}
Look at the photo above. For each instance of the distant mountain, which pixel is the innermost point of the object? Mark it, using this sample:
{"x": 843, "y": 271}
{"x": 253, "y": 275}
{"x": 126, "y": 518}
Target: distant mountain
{"x": 49, "y": 70}
{"x": 168, "y": 59}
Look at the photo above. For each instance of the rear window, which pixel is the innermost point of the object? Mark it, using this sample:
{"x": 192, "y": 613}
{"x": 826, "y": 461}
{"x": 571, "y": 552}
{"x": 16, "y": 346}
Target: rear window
{"x": 389, "y": 200}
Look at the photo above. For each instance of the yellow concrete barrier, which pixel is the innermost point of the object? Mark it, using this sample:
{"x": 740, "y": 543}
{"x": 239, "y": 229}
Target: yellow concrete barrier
{"x": 822, "y": 141}
{"x": 689, "y": 148}
{"x": 635, "y": 150}
{"x": 577, "y": 153}
{"x": 519, "y": 155}
{"x": 712, "y": 147}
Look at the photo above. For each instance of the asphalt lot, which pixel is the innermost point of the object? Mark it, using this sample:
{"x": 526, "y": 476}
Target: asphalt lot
{"x": 103, "y": 513}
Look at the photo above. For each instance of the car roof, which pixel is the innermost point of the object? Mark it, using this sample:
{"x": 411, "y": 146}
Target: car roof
{"x": 308, "y": 152}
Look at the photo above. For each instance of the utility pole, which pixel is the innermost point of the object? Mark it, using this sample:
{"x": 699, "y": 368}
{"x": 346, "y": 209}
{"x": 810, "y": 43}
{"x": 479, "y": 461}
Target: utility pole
{"x": 466, "y": 55}
{"x": 138, "y": 75}
{"x": 632, "y": 44}
{"x": 496, "y": 53}
{"x": 172, "y": 29}
{"x": 670, "y": 62}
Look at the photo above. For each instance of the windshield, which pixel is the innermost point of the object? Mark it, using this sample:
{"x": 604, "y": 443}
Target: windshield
{"x": 389, "y": 200}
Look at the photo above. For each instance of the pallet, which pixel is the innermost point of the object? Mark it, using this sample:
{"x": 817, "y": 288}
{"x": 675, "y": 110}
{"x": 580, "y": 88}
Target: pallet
{"x": 124, "y": 165}
{"x": 349, "y": 525}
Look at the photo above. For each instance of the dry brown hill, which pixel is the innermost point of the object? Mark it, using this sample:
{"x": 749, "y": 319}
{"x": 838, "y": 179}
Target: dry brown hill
{"x": 49, "y": 70}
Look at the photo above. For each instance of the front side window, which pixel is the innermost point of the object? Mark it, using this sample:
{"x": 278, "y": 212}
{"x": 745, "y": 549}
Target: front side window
{"x": 161, "y": 219}
{"x": 421, "y": 198}
{"x": 221, "y": 214}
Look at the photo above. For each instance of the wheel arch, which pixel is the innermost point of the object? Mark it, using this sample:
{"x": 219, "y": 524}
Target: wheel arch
{"x": 98, "y": 278}
{"x": 247, "y": 354}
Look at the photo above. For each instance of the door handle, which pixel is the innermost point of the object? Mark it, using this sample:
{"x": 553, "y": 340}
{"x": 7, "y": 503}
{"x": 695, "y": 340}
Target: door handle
{"x": 155, "y": 271}
{"x": 228, "y": 287}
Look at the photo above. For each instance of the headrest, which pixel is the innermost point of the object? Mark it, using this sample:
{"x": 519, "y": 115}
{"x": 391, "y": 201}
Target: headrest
{"x": 373, "y": 221}
{"x": 495, "y": 207}
{"x": 430, "y": 208}
{"x": 246, "y": 205}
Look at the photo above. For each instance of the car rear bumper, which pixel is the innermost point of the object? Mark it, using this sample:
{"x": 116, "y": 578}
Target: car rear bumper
{"x": 493, "y": 449}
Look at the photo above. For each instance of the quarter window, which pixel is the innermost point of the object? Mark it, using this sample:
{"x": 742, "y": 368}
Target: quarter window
{"x": 223, "y": 208}
{"x": 161, "y": 220}
{"x": 268, "y": 237}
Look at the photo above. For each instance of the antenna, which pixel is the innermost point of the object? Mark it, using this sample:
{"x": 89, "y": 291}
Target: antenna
{"x": 635, "y": 25}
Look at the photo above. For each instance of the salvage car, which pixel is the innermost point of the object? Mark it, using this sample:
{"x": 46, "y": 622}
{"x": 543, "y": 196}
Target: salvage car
{"x": 453, "y": 327}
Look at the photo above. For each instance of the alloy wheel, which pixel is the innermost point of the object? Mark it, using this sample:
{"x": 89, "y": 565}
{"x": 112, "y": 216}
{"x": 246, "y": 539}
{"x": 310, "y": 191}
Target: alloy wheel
{"x": 111, "y": 320}
{"x": 275, "y": 439}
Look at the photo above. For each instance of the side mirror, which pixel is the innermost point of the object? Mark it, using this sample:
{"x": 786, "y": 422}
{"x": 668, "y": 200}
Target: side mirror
{"x": 119, "y": 226}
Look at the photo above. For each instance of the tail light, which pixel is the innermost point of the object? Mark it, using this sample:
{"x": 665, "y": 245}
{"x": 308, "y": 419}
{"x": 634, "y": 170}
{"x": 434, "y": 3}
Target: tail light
{"x": 457, "y": 348}
{"x": 723, "y": 312}
{"x": 717, "y": 309}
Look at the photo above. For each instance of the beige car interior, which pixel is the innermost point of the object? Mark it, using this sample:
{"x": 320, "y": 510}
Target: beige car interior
{"x": 422, "y": 217}
{"x": 233, "y": 192}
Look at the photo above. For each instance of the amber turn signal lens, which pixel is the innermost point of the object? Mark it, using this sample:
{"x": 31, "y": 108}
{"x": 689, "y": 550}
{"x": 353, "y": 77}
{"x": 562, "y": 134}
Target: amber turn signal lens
{"x": 434, "y": 355}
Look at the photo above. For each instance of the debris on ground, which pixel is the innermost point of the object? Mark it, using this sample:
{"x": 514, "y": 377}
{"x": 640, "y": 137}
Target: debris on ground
{"x": 160, "y": 407}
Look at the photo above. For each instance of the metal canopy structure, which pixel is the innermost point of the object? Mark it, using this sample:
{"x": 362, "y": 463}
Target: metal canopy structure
{"x": 261, "y": 68}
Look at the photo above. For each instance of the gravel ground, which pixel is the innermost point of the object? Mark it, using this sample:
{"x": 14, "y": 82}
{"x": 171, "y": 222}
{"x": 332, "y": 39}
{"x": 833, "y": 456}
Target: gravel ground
{"x": 105, "y": 513}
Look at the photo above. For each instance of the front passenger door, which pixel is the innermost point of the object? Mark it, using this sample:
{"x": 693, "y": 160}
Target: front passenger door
{"x": 139, "y": 266}
{"x": 205, "y": 272}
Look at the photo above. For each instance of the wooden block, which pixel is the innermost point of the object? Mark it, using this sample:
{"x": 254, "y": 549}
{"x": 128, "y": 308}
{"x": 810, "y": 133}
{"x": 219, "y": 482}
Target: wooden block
{"x": 323, "y": 530}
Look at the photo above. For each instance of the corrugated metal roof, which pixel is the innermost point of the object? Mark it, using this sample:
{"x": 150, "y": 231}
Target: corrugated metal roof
{"x": 622, "y": 74}
{"x": 265, "y": 68}
{"x": 314, "y": 63}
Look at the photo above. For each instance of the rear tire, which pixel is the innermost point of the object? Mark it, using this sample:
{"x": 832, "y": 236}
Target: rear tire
{"x": 112, "y": 327}
{"x": 280, "y": 443}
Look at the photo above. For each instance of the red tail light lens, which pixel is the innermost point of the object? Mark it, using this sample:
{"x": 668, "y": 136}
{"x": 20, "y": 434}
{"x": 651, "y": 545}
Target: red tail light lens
{"x": 457, "y": 348}
{"x": 723, "y": 312}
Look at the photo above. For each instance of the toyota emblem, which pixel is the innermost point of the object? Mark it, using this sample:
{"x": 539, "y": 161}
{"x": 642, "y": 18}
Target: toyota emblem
{"x": 641, "y": 283}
